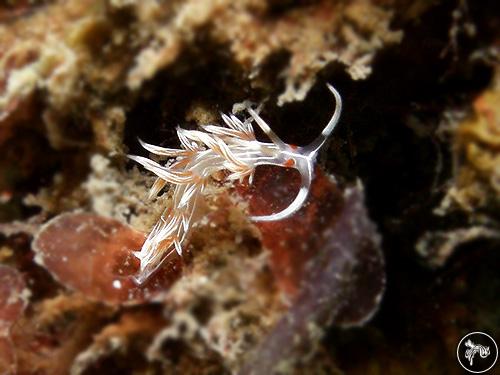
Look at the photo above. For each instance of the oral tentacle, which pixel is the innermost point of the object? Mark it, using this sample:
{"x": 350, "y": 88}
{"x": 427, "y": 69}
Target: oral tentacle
{"x": 315, "y": 145}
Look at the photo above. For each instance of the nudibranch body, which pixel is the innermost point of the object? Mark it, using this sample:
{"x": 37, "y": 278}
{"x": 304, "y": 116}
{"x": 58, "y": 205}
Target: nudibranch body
{"x": 204, "y": 152}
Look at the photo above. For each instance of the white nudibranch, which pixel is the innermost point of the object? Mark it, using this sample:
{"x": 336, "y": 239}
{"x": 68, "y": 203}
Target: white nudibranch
{"x": 212, "y": 149}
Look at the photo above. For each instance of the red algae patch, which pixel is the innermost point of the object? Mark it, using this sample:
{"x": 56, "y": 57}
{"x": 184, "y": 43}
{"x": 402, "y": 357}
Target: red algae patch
{"x": 13, "y": 297}
{"x": 332, "y": 225}
{"x": 13, "y": 301}
{"x": 93, "y": 255}
{"x": 7, "y": 357}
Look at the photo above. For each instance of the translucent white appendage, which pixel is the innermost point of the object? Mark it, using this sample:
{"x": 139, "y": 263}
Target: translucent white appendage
{"x": 204, "y": 153}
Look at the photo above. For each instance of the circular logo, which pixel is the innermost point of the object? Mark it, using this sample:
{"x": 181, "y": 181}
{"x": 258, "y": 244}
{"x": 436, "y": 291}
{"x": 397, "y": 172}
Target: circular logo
{"x": 477, "y": 352}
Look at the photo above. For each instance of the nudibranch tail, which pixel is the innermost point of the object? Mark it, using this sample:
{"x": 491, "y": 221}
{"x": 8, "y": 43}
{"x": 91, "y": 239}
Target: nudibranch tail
{"x": 204, "y": 152}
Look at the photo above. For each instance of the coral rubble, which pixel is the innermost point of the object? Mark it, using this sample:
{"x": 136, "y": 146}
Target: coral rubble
{"x": 399, "y": 235}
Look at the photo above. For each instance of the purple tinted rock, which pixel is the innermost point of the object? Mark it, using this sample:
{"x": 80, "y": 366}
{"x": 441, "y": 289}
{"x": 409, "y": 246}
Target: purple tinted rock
{"x": 338, "y": 273}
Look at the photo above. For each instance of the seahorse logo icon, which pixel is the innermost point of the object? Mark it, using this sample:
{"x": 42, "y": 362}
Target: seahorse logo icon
{"x": 484, "y": 351}
{"x": 477, "y": 352}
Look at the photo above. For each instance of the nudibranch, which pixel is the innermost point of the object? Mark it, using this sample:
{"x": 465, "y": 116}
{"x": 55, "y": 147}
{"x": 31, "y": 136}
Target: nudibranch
{"x": 232, "y": 148}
